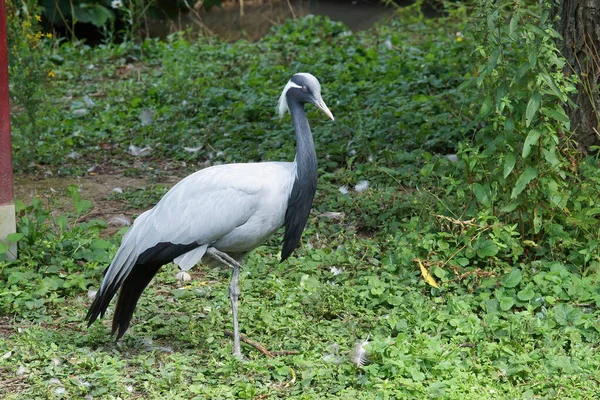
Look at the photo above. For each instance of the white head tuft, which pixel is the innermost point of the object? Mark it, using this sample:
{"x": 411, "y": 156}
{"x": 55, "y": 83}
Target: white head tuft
{"x": 303, "y": 78}
{"x": 282, "y": 105}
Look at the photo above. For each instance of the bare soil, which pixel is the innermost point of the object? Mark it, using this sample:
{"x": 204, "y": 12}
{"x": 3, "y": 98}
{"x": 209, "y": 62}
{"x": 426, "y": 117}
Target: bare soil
{"x": 93, "y": 187}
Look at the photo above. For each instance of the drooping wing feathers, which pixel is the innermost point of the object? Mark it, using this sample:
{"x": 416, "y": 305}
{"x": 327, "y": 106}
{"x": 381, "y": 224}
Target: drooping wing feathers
{"x": 202, "y": 209}
{"x": 188, "y": 260}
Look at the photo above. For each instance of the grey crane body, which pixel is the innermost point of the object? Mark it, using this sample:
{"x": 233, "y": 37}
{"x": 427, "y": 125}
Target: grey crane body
{"x": 219, "y": 214}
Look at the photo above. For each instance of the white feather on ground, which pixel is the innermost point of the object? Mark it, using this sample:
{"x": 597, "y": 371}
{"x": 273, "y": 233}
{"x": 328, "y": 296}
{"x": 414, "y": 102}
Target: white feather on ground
{"x": 183, "y": 276}
{"x": 361, "y": 186}
{"x": 359, "y": 354}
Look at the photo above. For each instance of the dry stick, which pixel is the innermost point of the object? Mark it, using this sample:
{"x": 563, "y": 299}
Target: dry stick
{"x": 261, "y": 348}
{"x": 291, "y": 9}
{"x": 252, "y": 343}
{"x": 199, "y": 21}
{"x": 12, "y": 380}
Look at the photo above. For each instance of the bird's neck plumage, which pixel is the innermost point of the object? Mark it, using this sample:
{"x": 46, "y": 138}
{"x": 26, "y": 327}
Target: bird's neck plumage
{"x": 305, "y": 184}
{"x": 306, "y": 156}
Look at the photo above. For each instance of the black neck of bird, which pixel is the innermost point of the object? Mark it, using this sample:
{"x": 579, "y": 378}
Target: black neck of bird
{"x": 305, "y": 184}
{"x": 306, "y": 156}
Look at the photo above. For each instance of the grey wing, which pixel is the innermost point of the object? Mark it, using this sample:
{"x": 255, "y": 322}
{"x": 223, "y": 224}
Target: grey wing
{"x": 188, "y": 214}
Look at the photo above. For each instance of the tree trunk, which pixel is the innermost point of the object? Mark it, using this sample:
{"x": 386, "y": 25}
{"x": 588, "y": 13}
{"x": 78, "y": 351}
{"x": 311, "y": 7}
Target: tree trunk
{"x": 579, "y": 26}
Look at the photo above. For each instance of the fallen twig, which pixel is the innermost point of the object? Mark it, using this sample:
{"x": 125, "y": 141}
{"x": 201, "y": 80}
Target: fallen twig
{"x": 259, "y": 347}
{"x": 251, "y": 342}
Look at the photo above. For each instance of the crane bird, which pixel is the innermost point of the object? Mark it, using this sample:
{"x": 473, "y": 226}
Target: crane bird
{"x": 219, "y": 214}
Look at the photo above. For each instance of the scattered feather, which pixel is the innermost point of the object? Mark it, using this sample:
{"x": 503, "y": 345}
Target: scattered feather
{"x": 147, "y": 117}
{"x": 388, "y": 44}
{"x": 88, "y": 102}
{"x": 80, "y": 111}
{"x": 91, "y": 169}
{"x": 149, "y": 345}
{"x": 138, "y": 151}
{"x": 22, "y": 370}
{"x": 192, "y": 149}
{"x": 119, "y": 221}
{"x": 92, "y": 294}
{"x": 452, "y": 157}
{"x": 343, "y": 189}
{"x": 117, "y": 190}
{"x": 336, "y": 271}
{"x": 183, "y": 276}
{"x": 60, "y": 390}
{"x": 361, "y": 186}
{"x": 359, "y": 354}
{"x": 333, "y": 215}
{"x": 73, "y": 155}
{"x": 56, "y": 362}
{"x": 129, "y": 388}
{"x": 84, "y": 383}
{"x": 6, "y": 355}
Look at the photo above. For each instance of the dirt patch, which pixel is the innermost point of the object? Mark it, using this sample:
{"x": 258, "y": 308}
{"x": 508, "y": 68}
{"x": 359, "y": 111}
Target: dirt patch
{"x": 96, "y": 188}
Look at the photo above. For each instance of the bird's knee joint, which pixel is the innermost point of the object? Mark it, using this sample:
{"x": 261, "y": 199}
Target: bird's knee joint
{"x": 234, "y": 292}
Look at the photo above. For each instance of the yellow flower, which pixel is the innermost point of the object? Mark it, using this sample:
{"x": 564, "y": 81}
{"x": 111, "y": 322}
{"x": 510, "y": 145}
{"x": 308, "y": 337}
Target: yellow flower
{"x": 51, "y": 74}
{"x": 39, "y": 19}
{"x": 459, "y": 39}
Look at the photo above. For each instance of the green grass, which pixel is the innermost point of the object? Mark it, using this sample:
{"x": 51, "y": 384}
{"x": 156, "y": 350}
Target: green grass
{"x": 510, "y": 319}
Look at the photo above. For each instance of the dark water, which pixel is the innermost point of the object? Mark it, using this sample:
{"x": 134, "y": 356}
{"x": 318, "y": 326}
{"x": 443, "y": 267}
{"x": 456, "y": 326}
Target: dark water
{"x": 229, "y": 24}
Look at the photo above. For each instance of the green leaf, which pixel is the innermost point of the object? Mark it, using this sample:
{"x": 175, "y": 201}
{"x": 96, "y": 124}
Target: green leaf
{"x": 100, "y": 244}
{"x": 557, "y": 114}
{"x": 550, "y": 82}
{"x": 550, "y": 156}
{"x": 509, "y": 126}
{"x": 494, "y": 59}
{"x": 530, "y": 140}
{"x": 532, "y": 56}
{"x": 14, "y": 237}
{"x": 512, "y": 27}
{"x": 3, "y": 247}
{"x": 82, "y": 206}
{"x": 73, "y": 192}
{"x": 532, "y": 108}
{"x": 486, "y": 107}
{"x": 482, "y": 193}
{"x": 527, "y": 176}
{"x": 509, "y": 163}
{"x": 506, "y": 303}
{"x": 523, "y": 69}
{"x": 526, "y": 294}
{"x": 512, "y": 279}
{"x": 93, "y": 13}
{"x": 487, "y": 249}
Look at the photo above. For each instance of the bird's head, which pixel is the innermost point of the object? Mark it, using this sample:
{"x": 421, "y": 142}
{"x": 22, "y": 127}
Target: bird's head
{"x": 304, "y": 88}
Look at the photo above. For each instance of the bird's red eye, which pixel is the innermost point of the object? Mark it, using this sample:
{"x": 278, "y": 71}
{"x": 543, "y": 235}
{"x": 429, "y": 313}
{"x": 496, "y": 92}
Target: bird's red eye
{"x": 304, "y": 88}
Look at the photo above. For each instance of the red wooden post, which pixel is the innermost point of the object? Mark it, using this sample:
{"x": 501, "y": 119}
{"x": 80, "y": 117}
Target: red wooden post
{"x": 7, "y": 203}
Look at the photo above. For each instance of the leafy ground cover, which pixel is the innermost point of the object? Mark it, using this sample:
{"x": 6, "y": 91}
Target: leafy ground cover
{"x": 511, "y": 318}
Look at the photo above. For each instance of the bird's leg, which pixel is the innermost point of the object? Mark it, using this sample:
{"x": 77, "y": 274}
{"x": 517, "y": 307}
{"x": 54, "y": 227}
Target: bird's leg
{"x": 234, "y": 294}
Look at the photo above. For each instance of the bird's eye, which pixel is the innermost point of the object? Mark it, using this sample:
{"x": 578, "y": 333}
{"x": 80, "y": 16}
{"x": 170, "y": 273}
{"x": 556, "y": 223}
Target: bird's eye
{"x": 304, "y": 88}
